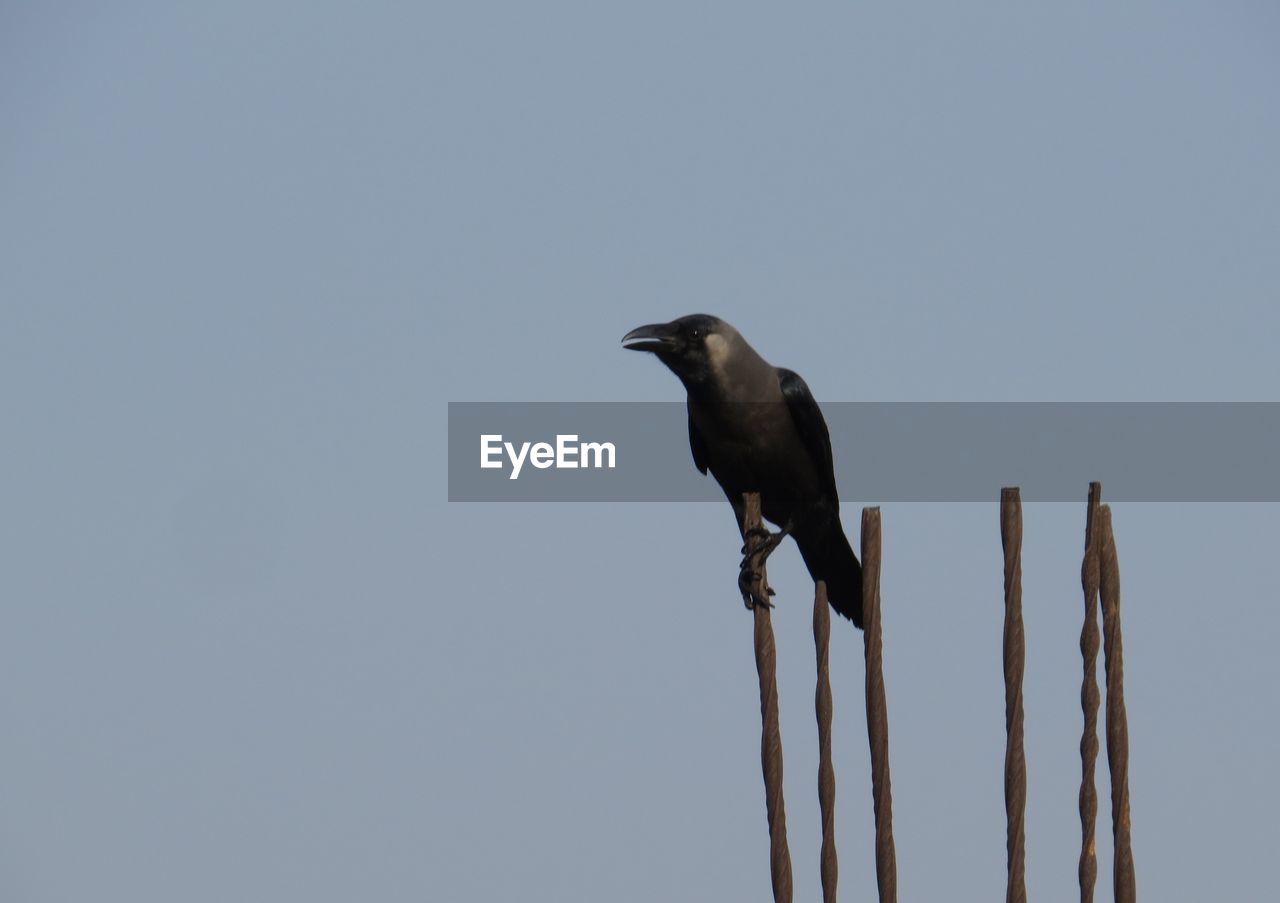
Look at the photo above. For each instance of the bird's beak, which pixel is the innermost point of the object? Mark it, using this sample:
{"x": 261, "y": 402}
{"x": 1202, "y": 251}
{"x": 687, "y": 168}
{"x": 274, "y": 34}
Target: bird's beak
{"x": 654, "y": 337}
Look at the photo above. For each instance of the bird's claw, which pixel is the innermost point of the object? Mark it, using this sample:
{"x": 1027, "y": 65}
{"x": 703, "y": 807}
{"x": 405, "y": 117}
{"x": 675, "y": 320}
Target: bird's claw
{"x": 758, "y": 545}
{"x": 748, "y": 580}
{"x": 747, "y": 568}
{"x": 757, "y": 539}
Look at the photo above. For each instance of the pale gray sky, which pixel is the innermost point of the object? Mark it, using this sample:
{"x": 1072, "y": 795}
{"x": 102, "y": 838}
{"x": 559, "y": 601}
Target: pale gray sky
{"x": 248, "y": 251}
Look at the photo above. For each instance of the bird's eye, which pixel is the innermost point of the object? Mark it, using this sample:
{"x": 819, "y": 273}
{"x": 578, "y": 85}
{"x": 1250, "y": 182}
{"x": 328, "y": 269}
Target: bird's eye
{"x": 697, "y": 333}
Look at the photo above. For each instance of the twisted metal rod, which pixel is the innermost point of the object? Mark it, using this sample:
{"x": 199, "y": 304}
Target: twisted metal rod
{"x": 1089, "y": 699}
{"x": 770, "y": 734}
{"x": 1015, "y": 762}
{"x": 877, "y": 715}
{"x": 1117, "y": 719}
{"x": 826, "y": 770}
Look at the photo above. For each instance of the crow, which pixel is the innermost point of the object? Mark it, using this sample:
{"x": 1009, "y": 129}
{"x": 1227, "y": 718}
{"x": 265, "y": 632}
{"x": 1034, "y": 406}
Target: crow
{"x": 757, "y": 428}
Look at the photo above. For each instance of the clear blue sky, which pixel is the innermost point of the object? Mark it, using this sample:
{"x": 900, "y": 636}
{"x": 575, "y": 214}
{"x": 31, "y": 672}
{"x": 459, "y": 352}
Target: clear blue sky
{"x": 248, "y": 251}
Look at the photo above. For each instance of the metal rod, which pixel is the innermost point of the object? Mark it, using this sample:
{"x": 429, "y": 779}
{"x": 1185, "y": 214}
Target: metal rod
{"x": 1117, "y": 720}
{"x": 1015, "y": 761}
{"x": 1089, "y": 700}
{"x": 829, "y": 863}
{"x": 877, "y": 714}
{"x": 770, "y": 735}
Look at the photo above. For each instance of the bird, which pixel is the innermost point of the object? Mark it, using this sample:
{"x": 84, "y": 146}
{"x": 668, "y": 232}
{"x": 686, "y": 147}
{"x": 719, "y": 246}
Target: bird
{"x": 757, "y": 428}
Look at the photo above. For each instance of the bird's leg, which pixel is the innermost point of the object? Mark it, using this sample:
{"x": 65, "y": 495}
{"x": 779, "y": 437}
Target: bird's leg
{"x": 759, "y": 544}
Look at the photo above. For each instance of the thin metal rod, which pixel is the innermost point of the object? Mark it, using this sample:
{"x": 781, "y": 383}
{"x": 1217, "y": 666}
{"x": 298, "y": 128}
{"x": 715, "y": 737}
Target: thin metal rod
{"x": 1089, "y": 700}
{"x": 770, "y": 734}
{"x": 1015, "y": 762}
{"x": 1117, "y": 719}
{"x": 829, "y": 863}
{"x": 877, "y": 714}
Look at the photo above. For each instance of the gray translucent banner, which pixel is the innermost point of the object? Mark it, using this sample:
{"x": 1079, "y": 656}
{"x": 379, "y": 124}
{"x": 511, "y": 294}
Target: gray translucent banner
{"x": 884, "y": 452}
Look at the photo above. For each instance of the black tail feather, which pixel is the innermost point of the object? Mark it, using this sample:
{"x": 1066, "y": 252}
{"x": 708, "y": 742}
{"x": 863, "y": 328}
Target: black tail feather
{"x": 828, "y": 556}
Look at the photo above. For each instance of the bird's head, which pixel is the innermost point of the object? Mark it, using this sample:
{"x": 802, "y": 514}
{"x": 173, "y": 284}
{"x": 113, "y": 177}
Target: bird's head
{"x": 693, "y": 347}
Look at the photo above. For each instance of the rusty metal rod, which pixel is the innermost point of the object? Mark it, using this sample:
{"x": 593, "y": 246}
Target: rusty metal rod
{"x": 1117, "y": 720}
{"x": 1015, "y": 762}
{"x": 828, "y": 863}
{"x": 770, "y": 735}
{"x": 1089, "y": 699}
{"x": 877, "y": 714}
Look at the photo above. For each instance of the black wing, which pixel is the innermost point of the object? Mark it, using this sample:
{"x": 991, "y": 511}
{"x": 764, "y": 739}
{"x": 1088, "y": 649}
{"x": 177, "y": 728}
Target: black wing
{"x": 697, "y": 446}
{"x": 807, "y": 417}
